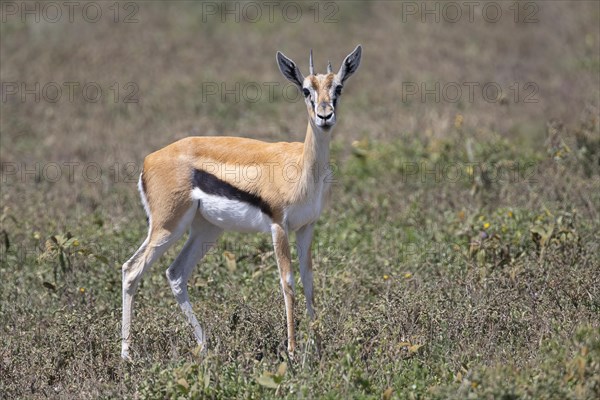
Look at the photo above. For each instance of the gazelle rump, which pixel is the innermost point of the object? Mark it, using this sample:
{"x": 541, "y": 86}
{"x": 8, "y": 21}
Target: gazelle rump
{"x": 211, "y": 184}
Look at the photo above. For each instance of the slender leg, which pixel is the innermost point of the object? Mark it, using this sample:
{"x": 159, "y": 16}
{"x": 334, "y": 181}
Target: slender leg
{"x": 159, "y": 240}
{"x": 202, "y": 237}
{"x": 282, "y": 253}
{"x": 304, "y": 240}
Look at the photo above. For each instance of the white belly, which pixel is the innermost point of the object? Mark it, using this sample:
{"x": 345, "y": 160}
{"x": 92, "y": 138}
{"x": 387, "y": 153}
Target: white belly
{"x": 231, "y": 215}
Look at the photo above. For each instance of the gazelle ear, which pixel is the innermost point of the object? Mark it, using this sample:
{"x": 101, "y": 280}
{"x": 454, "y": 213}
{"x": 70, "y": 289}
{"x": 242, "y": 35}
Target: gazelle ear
{"x": 350, "y": 64}
{"x": 289, "y": 69}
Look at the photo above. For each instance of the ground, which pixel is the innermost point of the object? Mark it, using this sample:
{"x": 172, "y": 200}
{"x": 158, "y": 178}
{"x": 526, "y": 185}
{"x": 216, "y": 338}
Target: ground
{"x": 458, "y": 257}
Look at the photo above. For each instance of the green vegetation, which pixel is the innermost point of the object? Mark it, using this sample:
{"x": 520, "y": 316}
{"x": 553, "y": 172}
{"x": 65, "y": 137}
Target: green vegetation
{"x": 459, "y": 256}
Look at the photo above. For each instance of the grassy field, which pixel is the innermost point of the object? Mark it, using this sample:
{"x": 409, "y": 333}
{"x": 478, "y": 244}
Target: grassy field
{"x": 458, "y": 258}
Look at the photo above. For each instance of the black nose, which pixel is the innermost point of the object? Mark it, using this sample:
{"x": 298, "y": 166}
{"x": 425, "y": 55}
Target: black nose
{"x": 325, "y": 117}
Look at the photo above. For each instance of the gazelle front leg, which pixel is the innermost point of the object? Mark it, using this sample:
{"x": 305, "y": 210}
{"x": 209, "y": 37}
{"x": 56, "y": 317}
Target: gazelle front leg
{"x": 283, "y": 256}
{"x": 304, "y": 241}
{"x": 304, "y": 238}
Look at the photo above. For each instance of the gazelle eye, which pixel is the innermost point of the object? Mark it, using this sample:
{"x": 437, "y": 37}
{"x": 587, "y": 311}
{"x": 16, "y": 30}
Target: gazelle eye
{"x": 338, "y": 90}
{"x": 306, "y": 92}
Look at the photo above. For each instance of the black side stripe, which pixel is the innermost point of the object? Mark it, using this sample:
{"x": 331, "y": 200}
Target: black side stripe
{"x": 210, "y": 184}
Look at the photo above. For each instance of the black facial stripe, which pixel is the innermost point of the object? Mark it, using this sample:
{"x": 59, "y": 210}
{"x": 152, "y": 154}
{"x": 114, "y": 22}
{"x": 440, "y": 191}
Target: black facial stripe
{"x": 210, "y": 184}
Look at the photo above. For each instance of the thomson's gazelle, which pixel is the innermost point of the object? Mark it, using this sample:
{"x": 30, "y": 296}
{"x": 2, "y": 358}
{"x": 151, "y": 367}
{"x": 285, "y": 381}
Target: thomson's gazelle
{"x": 212, "y": 184}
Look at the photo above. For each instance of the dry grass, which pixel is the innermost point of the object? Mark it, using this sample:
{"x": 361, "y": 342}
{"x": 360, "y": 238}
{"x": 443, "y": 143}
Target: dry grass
{"x": 483, "y": 286}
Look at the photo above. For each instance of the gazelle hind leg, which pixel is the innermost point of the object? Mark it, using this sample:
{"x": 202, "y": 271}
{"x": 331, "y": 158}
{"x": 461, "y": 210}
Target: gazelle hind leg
{"x": 202, "y": 237}
{"x": 158, "y": 241}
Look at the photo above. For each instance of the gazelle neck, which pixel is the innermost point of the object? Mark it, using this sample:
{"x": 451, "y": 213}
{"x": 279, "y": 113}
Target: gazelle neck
{"x": 315, "y": 159}
{"x": 316, "y": 147}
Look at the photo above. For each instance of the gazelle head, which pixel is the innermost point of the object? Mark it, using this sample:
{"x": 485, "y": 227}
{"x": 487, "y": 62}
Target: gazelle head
{"x": 321, "y": 91}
